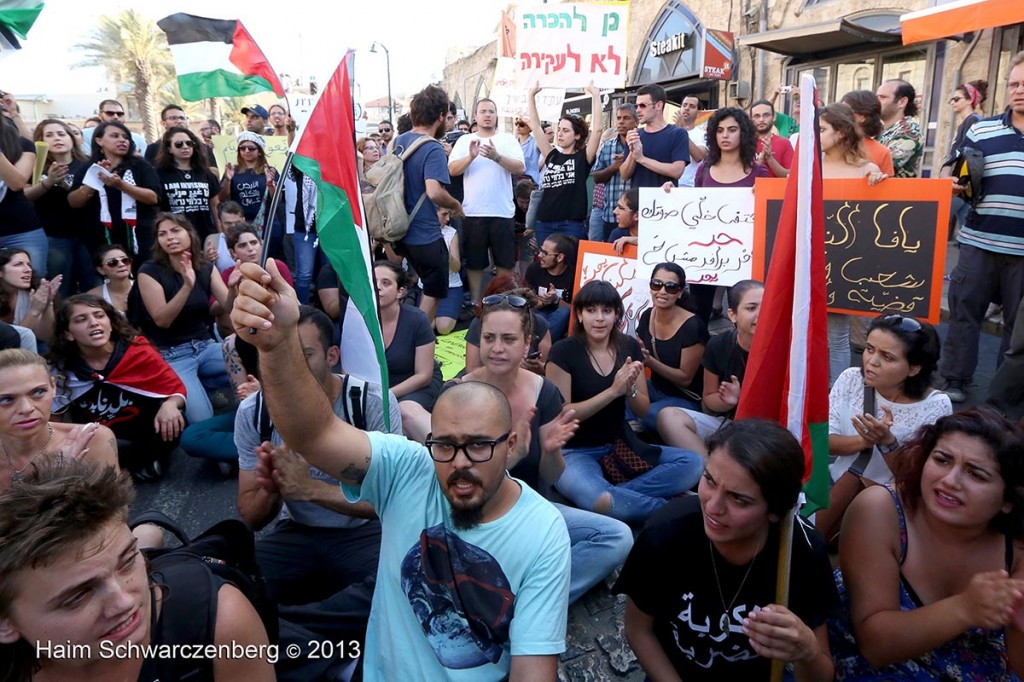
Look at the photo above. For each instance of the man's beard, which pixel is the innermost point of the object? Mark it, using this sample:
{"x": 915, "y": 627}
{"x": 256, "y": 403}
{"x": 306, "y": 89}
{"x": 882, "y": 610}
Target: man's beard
{"x": 467, "y": 518}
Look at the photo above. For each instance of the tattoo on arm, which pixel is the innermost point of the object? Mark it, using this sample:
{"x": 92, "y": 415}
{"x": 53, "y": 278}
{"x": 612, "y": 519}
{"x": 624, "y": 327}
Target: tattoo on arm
{"x": 354, "y": 472}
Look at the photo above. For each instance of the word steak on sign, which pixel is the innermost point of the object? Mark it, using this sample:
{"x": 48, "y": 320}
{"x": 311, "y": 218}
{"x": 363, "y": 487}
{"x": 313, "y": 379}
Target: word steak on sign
{"x": 709, "y": 232}
{"x": 570, "y": 45}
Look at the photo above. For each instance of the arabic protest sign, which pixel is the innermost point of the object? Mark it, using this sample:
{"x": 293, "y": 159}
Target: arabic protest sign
{"x": 511, "y": 99}
{"x": 885, "y": 246}
{"x": 570, "y": 45}
{"x": 709, "y": 232}
{"x": 598, "y": 260}
{"x": 225, "y": 149}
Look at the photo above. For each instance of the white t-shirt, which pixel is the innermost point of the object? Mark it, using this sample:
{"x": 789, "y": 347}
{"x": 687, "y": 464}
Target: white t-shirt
{"x": 698, "y": 136}
{"x": 449, "y": 233}
{"x": 488, "y": 186}
{"x": 847, "y": 399}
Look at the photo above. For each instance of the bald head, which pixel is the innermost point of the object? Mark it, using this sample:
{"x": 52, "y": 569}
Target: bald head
{"x": 484, "y": 399}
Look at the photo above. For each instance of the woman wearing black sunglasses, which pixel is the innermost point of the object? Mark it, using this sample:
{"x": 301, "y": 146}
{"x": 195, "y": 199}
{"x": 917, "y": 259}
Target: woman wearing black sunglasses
{"x": 115, "y": 267}
{"x": 188, "y": 185}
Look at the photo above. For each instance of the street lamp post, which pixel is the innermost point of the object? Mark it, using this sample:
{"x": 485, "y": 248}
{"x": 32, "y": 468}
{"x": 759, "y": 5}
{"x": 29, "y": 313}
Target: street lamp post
{"x": 387, "y": 57}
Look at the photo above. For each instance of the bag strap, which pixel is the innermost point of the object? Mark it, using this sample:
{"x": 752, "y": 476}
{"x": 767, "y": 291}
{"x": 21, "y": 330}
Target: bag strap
{"x": 864, "y": 458}
{"x": 406, "y": 153}
{"x": 161, "y": 520}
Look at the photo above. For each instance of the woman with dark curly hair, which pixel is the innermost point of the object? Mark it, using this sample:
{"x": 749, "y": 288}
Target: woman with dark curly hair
{"x": 932, "y": 571}
{"x": 563, "y": 205}
{"x": 109, "y": 374}
{"x": 732, "y": 146}
{"x": 189, "y": 188}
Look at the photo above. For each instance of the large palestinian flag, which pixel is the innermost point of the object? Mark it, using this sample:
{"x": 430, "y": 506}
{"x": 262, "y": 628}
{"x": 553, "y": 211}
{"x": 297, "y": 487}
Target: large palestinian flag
{"x": 787, "y": 373}
{"x": 16, "y": 18}
{"x": 325, "y": 150}
{"x": 217, "y": 58}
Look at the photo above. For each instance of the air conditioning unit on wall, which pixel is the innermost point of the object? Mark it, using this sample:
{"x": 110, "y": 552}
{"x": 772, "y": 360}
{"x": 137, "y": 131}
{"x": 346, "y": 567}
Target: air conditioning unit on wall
{"x": 738, "y": 90}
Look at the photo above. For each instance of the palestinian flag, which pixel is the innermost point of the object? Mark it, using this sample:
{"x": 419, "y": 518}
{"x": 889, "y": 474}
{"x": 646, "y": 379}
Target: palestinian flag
{"x": 787, "y": 372}
{"x": 217, "y": 58}
{"x": 16, "y": 18}
{"x": 325, "y": 150}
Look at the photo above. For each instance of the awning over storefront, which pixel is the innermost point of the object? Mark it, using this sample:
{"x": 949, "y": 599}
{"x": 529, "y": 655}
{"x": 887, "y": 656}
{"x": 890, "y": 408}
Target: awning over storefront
{"x": 959, "y": 17}
{"x": 816, "y": 39}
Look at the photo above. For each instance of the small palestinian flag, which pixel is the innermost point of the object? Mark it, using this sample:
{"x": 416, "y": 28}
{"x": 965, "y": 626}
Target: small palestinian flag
{"x": 16, "y": 18}
{"x": 217, "y": 58}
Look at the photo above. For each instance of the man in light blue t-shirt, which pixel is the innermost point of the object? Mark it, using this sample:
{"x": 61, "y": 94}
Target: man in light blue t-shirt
{"x": 473, "y": 579}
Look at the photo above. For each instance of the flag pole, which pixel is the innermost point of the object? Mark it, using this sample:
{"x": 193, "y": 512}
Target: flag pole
{"x": 268, "y": 225}
{"x": 782, "y": 577}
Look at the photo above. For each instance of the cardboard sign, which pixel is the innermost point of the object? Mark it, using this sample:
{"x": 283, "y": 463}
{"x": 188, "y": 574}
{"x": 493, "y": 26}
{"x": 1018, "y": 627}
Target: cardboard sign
{"x": 511, "y": 99}
{"x": 709, "y": 232}
{"x": 225, "y": 148}
{"x": 450, "y": 351}
{"x": 885, "y": 246}
{"x": 598, "y": 260}
{"x": 569, "y": 45}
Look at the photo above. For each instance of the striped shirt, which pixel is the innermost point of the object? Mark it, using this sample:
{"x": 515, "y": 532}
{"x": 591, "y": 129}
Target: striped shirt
{"x": 616, "y": 186}
{"x": 997, "y": 221}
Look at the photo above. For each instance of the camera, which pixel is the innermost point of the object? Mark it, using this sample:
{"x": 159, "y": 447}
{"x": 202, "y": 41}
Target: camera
{"x": 786, "y": 89}
{"x": 453, "y": 136}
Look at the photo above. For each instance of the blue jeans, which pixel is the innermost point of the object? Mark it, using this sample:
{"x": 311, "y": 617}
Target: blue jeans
{"x": 200, "y": 365}
{"x": 838, "y": 345}
{"x": 595, "y": 231}
{"x": 558, "y": 321}
{"x": 570, "y": 228}
{"x": 583, "y": 481}
{"x": 213, "y": 438}
{"x": 305, "y": 259}
{"x": 68, "y": 257}
{"x": 599, "y": 545}
{"x": 34, "y": 242}
{"x": 660, "y": 401}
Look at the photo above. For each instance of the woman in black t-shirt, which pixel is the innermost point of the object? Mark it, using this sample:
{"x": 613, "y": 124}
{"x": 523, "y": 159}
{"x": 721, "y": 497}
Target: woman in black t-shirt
{"x": 714, "y": 616}
{"x": 68, "y": 253}
{"x": 597, "y": 369}
{"x": 171, "y": 305}
{"x": 673, "y": 339}
{"x": 19, "y": 224}
{"x": 725, "y": 362}
{"x": 188, "y": 186}
{"x": 563, "y": 205}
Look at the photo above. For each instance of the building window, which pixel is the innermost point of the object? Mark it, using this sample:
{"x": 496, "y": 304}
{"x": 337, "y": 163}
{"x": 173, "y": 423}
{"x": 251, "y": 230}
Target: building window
{"x": 678, "y": 39}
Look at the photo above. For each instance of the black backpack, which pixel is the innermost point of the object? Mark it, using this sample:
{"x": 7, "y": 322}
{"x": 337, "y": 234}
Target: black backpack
{"x": 354, "y": 390}
{"x": 192, "y": 573}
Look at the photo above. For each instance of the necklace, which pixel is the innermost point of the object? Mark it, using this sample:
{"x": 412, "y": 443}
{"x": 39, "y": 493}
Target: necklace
{"x": 723, "y": 622}
{"x": 17, "y": 474}
{"x": 597, "y": 365}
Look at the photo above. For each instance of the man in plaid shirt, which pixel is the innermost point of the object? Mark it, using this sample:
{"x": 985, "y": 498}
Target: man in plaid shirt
{"x": 606, "y": 167}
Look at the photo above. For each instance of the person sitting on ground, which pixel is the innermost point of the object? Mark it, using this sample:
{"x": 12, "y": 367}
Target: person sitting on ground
{"x": 172, "y": 308}
{"x": 627, "y": 217}
{"x": 552, "y": 276}
{"x": 459, "y": 533}
{"x": 188, "y": 185}
{"x": 245, "y": 246}
{"x": 673, "y": 339}
{"x": 115, "y": 267}
{"x": 339, "y": 541}
{"x": 27, "y": 436}
{"x": 725, "y": 361}
{"x": 596, "y": 372}
{"x": 678, "y": 619}
{"x": 932, "y": 571}
{"x": 899, "y": 358}
{"x": 26, "y": 300}
{"x": 215, "y": 247}
{"x": 409, "y": 344}
{"x": 447, "y": 315}
{"x": 108, "y": 374}
{"x": 75, "y": 588}
{"x": 540, "y": 337}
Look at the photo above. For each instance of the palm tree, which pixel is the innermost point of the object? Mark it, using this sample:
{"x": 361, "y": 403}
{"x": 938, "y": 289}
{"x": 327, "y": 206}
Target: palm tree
{"x": 135, "y": 53}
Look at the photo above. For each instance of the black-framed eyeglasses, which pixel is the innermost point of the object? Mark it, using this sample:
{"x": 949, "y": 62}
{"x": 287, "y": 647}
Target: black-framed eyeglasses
{"x": 182, "y": 143}
{"x": 907, "y": 324}
{"x": 112, "y": 262}
{"x": 113, "y": 113}
{"x": 247, "y": 148}
{"x": 511, "y": 299}
{"x": 669, "y": 286}
{"x": 477, "y": 451}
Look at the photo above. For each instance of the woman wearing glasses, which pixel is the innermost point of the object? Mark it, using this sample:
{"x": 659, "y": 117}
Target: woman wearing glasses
{"x": 673, "y": 339}
{"x": 563, "y": 205}
{"x": 599, "y": 370}
{"x": 115, "y": 267}
{"x": 966, "y": 101}
{"x": 932, "y": 569}
{"x": 250, "y": 181}
{"x": 188, "y": 186}
{"x": 68, "y": 253}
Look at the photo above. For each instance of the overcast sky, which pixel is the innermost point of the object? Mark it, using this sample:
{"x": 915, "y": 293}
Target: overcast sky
{"x": 298, "y": 37}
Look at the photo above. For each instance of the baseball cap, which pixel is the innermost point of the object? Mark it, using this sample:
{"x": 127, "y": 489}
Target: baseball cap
{"x": 256, "y": 109}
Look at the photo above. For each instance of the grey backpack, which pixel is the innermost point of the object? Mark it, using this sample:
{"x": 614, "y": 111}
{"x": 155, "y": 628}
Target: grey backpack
{"x": 386, "y": 217}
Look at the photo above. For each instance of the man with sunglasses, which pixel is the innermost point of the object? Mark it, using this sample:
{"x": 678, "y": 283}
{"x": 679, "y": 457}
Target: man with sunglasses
{"x": 660, "y": 151}
{"x": 171, "y": 116}
{"x": 551, "y": 276}
{"x": 111, "y": 110}
{"x": 473, "y": 576}
{"x": 387, "y": 131}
